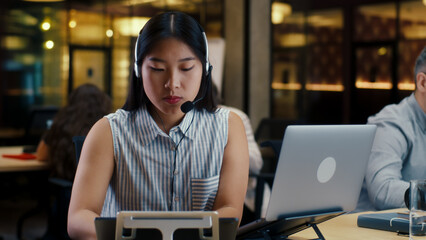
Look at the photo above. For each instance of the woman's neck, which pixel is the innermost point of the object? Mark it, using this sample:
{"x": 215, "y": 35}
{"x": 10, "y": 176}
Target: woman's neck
{"x": 164, "y": 121}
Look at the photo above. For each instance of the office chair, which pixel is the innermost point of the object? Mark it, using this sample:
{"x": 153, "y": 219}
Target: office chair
{"x": 267, "y": 173}
{"x": 61, "y": 190}
{"x": 39, "y": 119}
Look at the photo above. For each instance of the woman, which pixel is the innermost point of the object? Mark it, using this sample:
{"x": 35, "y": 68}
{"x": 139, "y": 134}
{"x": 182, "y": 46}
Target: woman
{"x": 152, "y": 156}
{"x": 86, "y": 105}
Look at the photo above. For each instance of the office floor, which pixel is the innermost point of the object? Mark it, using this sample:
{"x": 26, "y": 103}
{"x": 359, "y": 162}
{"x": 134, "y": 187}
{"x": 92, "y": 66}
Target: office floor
{"x": 11, "y": 209}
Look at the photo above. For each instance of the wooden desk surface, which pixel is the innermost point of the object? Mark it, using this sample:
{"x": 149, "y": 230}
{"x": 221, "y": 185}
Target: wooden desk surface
{"x": 15, "y": 165}
{"x": 345, "y": 227}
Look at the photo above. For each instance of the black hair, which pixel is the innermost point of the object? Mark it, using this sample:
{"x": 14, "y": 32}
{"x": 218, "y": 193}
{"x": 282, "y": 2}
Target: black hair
{"x": 86, "y": 105}
{"x": 169, "y": 25}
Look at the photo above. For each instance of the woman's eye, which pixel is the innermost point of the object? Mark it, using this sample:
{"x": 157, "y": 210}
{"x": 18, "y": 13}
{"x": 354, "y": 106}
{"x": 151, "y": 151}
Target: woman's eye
{"x": 157, "y": 69}
{"x": 187, "y": 69}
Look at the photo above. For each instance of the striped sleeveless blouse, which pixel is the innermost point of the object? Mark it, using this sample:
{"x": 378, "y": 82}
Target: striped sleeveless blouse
{"x": 157, "y": 172}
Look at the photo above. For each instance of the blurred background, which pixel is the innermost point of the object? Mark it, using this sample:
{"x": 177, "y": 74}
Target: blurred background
{"x": 285, "y": 61}
{"x": 321, "y": 61}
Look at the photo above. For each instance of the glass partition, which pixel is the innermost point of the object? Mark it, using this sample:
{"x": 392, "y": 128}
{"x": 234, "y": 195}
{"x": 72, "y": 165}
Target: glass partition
{"x": 289, "y": 42}
{"x": 307, "y": 62}
{"x": 375, "y": 22}
{"x": 324, "y": 56}
{"x": 412, "y": 26}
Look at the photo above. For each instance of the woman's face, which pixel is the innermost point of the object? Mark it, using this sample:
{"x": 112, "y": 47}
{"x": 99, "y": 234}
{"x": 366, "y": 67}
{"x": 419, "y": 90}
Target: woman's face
{"x": 171, "y": 74}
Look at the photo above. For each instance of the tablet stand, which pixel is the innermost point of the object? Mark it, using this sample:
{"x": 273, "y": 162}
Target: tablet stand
{"x": 167, "y": 223}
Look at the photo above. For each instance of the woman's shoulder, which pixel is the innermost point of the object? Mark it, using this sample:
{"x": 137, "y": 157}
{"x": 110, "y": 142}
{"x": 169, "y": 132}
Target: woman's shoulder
{"x": 220, "y": 111}
{"x": 119, "y": 113}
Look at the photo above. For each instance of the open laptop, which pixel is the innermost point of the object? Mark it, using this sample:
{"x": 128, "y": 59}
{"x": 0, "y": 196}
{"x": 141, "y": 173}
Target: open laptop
{"x": 319, "y": 176}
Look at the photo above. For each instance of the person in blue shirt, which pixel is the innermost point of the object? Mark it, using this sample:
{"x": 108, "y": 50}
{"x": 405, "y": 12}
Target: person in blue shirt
{"x": 398, "y": 154}
{"x": 169, "y": 148}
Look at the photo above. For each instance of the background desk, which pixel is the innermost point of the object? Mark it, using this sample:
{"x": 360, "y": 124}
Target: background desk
{"x": 345, "y": 227}
{"x": 17, "y": 165}
{"x": 20, "y": 180}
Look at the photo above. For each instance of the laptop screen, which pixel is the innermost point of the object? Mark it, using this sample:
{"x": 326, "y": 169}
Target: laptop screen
{"x": 320, "y": 169}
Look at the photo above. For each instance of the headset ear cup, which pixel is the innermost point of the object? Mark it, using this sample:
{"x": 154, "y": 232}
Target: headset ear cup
{"x": 136, "y": 70}
{"x": 136, "y": 58}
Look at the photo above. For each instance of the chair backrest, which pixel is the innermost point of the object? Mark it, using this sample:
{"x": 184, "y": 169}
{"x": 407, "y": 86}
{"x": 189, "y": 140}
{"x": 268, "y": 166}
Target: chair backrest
{"x": 78, "y": 144}
{"x": 273, "y": 128}
{"x": 39, "y": 121}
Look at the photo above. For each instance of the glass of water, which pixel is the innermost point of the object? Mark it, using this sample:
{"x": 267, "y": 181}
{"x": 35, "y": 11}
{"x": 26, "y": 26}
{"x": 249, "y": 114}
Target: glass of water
{"x": 417, "y": 207}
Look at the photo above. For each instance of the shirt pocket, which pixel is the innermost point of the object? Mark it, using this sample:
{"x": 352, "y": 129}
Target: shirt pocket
{"x": 204, "y": 193}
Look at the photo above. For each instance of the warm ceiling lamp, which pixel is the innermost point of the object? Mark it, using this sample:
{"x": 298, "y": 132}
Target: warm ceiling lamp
{"x": 130, "y": 26}
{"x": 279, "y": 12}
{"x": 424, "y": 2}
{"x": 72, "y": 24}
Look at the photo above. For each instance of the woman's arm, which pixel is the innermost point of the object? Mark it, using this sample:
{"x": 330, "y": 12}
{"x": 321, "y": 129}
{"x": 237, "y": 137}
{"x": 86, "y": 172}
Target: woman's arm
{"x": 42, "y": 152}
{"x": 234, "y": 173}
{"x": 93, "y": 175}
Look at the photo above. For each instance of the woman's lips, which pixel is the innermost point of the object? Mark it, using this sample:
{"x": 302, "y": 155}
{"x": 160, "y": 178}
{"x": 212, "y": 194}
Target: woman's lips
{"x": 172, "y": 99}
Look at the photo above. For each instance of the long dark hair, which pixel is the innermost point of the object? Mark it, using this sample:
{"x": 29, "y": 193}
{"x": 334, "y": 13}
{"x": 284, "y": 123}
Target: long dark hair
{"x": 169, "y": 25}
{"x": 86, "y": 105}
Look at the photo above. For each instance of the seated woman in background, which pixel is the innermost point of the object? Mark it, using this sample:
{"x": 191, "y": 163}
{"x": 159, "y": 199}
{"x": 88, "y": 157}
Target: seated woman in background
{"x": 86, "y": 105}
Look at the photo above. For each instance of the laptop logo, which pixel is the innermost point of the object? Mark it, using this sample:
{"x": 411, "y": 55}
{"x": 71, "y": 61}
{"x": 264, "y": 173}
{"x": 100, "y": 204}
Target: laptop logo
{"x": 326, "y": 170}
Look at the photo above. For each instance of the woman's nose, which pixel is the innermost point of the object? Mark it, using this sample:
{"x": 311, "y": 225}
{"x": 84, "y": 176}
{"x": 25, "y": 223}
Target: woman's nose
{"x": 173, "y": 80}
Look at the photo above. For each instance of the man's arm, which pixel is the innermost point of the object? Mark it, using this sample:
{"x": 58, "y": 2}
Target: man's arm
{"x": 383, "y": 175}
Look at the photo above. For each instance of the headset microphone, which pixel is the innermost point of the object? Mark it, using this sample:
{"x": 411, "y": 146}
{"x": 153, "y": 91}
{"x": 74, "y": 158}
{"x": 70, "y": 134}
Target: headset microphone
{"x": 188, "y": 105}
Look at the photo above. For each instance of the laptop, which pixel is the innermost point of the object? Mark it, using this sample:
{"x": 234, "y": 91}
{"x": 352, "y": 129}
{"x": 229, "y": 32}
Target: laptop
{"x": 319, "y": 176}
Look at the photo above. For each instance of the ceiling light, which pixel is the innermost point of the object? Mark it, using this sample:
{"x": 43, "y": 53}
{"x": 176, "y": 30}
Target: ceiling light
{"x": 130, "y": 26}
{"x": 109, "y": 33}
{"x": 72, "y": 24}
{"x": 45, "y": 25}
{"x": 382, "y": 51}
{"x": 49, "y": 44}
{"x": 279, "y": 11}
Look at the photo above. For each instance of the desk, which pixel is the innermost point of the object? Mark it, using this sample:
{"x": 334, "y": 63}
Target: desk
{"x": 36, "y": 173}
{"x": 17, "y": 165}
{"x": 345, "y": 227}
{"x": 11, "y": 136}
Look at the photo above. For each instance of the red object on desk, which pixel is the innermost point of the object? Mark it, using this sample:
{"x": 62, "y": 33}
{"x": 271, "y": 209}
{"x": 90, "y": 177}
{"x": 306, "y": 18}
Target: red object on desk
{"x": 21, "y": 156}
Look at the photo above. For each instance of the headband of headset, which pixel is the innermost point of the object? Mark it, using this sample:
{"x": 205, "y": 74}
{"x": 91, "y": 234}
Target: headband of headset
{"x": 136, "y": 68}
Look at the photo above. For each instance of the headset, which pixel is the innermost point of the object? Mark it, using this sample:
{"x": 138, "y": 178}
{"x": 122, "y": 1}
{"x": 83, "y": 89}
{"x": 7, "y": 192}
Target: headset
{"x": 208, "y": 66}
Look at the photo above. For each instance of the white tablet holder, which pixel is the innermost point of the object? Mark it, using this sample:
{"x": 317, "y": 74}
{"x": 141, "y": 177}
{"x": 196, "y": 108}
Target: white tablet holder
{"x": 167, "y": 223}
